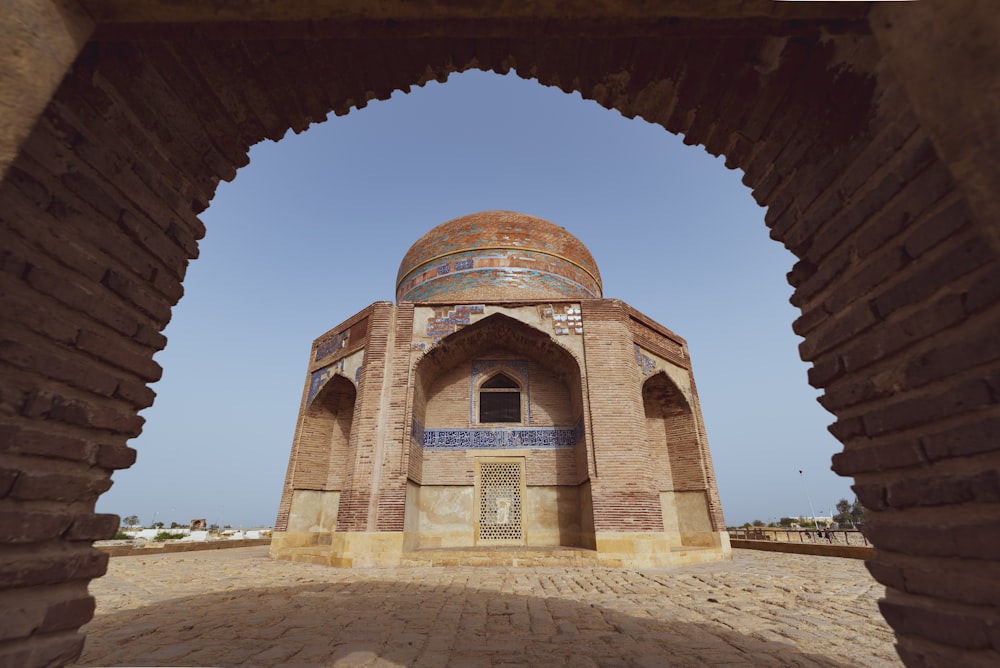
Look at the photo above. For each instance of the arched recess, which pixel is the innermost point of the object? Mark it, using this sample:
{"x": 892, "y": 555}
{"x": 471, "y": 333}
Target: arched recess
{"x": 676, "y": 451}
{"x": 448, "y": 434}
{"x": 896, "y": 279}
{"x": 317, "y": 470}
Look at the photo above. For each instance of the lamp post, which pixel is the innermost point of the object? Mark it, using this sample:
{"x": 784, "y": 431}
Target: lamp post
{"x": 809, "y": 499}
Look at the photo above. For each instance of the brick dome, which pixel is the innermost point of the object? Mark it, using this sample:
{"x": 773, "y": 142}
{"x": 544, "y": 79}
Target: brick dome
{"x": 497, "y": 255}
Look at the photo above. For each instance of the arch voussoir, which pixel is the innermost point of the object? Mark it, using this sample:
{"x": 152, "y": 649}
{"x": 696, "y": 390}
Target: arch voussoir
{"x": 896, "y": 278}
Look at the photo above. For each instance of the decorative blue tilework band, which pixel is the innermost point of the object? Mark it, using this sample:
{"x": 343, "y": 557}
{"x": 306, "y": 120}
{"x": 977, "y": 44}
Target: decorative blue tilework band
{"x": 535, "y": 438}
{"x": 446, "y": 321}
{"x": 332, "y": 345}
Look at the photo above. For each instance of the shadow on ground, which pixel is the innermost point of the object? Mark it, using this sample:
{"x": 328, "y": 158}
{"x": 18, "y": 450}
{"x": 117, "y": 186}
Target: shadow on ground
{"x": 391, "y": 623}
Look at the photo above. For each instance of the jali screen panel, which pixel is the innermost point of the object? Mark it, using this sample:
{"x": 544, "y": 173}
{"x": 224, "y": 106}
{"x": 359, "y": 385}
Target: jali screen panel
{"x": 501, "y": 491}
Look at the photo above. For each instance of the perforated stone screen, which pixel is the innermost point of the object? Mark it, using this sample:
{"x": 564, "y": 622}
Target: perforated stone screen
{"x": 501, "y": 485}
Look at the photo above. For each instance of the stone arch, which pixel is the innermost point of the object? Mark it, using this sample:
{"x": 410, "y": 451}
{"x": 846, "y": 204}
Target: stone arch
{"x": 321, "y": 453}
{"x": 672, "y": 431}
{"x": 441, "y": 365}
{"x": 881, "y": 185}
{"x": 676, "y": 452}
{"x": 447, "y": 382}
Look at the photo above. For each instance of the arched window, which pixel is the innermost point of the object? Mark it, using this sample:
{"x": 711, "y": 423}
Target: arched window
{"x": 500, "y": 400}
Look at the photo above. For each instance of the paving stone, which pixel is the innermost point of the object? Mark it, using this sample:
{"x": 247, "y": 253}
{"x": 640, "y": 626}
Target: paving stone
{"x": 771, "y": 609}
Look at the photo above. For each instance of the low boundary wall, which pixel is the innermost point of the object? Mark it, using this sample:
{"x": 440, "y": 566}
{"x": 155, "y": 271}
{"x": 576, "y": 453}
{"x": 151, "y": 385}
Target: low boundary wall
{"x": 165, "y": 548}
{"x": 814, "y": 549}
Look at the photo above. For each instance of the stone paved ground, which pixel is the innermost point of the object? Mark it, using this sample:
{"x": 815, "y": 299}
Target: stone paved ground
{"x": 237, "y": 606}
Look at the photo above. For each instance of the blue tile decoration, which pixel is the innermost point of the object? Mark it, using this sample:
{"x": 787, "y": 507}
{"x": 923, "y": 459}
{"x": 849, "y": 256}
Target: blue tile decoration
{"x": 565, "y": 318}
{"x": 357, "y": 376}
{"x": 447, "y": 321}
{"x": 332, "y": 345}
{"x": 647, "y": 364}
{"x": 444, "y": 269}
{"x": 503, "y": 279}
{"x": 480, "y": 367}
{"x": 464, "y": 264}
{"x": 535, "y": 438}
{"x": 319, "y": 377}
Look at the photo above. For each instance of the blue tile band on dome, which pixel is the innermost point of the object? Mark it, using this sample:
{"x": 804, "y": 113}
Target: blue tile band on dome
{"x": 552, "y": 285}
{"x": 497, "y": 253}
{"x": 535, "y": 438}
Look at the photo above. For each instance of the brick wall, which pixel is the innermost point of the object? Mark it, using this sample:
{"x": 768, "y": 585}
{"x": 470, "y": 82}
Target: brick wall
{"x": 896, "y": 276}
{"x": 625, "y": 494}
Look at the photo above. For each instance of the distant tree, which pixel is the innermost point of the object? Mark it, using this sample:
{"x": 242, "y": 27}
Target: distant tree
{"x": 758, "y": 523}
{"x": 843, "y": 516}
{"x": 157, "y": 525}
{"x": 857, "y": 513}
{"x": 787, "y": 521}
{"x": 130, "y": 521}
{"x": 213, "y": 528}
{"x": 175, "y": 525}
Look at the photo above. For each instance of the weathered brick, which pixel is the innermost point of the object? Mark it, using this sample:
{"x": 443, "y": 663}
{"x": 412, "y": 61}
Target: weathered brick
{"x": 973, "y": 350}
{"x": 7, "y": 479}
{"x": 915, "y": 411}
{"x": 941, "y": 582}
{"x": 93, "y": 527}
{"x": 840, "y": 328}
{"x": 938, "y": 490}
{"x": 984, "y": 292}
{"x": 846, "y": 429}
{"x": 41, "y": 444}
{"x": 878, "y": 457}
{"x": 976, "y": 540}
{"x": 944, "y": 626}
{"x": 137, "y": 394}
{"x": 30, "y": 567}
{"x": 112, "y": 456}
{"x": 29, "y": 526}
{"x": 979, "y": 434}
{"x": 926, "y": 277}
{"x": 155, "y": 306}
{"x": 825, "y": 370}
{"x": 871, "y": 495}
{"x": 65, "y": 487}
{"x": 887, "y": 574}
{"x": 110, "y": 350}
{"x": 50, "y": 650}
{"x": 70, "y": 614}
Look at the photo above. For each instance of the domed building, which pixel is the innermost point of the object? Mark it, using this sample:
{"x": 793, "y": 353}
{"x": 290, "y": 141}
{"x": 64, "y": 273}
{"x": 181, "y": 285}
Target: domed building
{"x": 501, "y": 412}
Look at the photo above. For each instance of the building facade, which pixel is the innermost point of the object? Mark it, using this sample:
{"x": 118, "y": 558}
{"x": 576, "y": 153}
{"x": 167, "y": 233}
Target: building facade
{"x": 502, "y": 401}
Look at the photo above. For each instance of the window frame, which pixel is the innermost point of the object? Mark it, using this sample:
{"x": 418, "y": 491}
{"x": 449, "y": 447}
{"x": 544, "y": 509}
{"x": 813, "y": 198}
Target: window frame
{"x": 517, "y": 389}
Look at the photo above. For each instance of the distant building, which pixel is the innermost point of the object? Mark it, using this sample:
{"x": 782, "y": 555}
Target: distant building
{"x": 501, "y": 402}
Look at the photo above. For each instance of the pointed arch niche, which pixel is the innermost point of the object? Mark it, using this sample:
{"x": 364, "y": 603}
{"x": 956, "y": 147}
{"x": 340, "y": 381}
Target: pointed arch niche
{"x": 675, "y": 448}
{"x": 322, "y": 454}
{"x": 449, "y": 434}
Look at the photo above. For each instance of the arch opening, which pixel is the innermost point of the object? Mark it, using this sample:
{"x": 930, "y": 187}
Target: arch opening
{"x": 497, "y": 355}
{"x": 856, "y": 190}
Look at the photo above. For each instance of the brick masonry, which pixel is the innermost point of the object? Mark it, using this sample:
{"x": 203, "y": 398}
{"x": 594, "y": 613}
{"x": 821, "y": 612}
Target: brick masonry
{"x": 869, "y": 132}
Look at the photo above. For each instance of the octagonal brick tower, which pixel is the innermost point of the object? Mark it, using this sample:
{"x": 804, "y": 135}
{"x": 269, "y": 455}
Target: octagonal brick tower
{"x": 502, "y": 401}
{"x": 497, "y": 254}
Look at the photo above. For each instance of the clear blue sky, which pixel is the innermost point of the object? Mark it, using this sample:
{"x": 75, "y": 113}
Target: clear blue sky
{"x": 313, "y": 230}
